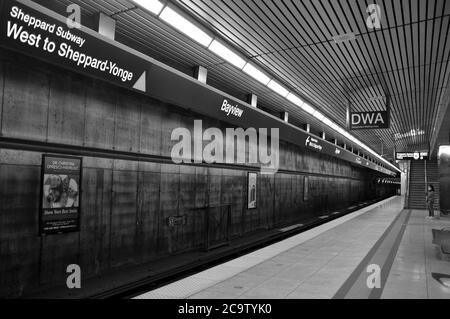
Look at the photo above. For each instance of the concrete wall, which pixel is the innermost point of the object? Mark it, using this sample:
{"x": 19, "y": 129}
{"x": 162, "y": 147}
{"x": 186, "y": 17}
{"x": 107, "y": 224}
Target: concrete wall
{"x": 125, "y": 204}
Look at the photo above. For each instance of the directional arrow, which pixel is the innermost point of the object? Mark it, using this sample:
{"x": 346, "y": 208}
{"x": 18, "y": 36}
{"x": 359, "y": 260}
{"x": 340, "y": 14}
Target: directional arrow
{"x": 141, "y": 83}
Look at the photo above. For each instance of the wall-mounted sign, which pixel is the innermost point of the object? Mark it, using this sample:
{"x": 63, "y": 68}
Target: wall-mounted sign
{"x": 252, "y": 190}
{"x": 369, "y": 120}
{"x": 174, "y": 221}
{"x": 60, "y": 194}
{"x": 29, "y": 31}
{"x": 230, "y": 109}
{"x": 313, "y": 143}
{"x": 412, "y": 156}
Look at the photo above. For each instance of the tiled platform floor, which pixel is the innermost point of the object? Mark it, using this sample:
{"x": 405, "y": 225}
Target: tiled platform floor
{"x": 416, "y": 259}
{"x": 318, "y": 263}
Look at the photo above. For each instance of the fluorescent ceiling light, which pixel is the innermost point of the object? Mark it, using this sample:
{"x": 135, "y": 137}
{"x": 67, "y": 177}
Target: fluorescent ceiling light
{"x": 308, "y": 108}
{"x": 295, "y": 99}
{"x": 342, "y": 131}
{"x": 253, "y": 71}
{"x": 153, "y": 6}
{"x": 319, "y": 116}
{"x": 278, "y": 88}
{"x": 228, "y": 55}
{"x": 335, "y": 127}
{"x": 185, "y": 26}
{"x": 328, "y": 122}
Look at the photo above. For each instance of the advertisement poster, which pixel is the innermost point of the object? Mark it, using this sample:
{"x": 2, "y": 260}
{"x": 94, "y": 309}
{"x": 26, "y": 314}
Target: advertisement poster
{"x": 305, "y": 189}
{"x": 60, "y": 202}
{"x": 252, "y": 177}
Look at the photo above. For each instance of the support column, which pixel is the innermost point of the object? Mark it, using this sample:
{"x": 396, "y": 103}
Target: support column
{"x": 285, "y": 116}
{"x": 307, "y": 128}
{"x": 201, "y": 73}
{"x": 252, "y": 99}
{"x": 106, "y": 26}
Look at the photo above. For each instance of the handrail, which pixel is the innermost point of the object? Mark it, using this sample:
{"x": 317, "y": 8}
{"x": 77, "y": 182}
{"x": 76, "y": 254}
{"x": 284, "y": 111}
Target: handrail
{"x": 408, "y": 181}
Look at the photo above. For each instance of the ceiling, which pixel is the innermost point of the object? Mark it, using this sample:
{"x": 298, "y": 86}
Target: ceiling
{"x": 406, "y": 60}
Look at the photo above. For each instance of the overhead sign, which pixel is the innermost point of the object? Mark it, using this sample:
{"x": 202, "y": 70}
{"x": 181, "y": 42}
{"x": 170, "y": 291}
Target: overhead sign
{"x": 229, "y": 109}
{"x": 30, "y": 31}
{"x": 60, "y": 195}
{"x": 369, "y": 120}
{"x": 412, "y": 156}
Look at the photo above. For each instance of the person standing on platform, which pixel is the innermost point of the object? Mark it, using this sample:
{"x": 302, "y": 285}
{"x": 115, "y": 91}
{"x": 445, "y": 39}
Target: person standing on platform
{"x": 430, "y": 201}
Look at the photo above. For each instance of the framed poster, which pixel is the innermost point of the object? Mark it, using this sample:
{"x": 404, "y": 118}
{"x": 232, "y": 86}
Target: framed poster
{"x": 252, "y": 179}
{"x": 305, "y": 188}
{"x": 60, "y": 194}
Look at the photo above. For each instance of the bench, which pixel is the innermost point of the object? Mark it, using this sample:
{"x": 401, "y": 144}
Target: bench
{"x": 441, "y": 238}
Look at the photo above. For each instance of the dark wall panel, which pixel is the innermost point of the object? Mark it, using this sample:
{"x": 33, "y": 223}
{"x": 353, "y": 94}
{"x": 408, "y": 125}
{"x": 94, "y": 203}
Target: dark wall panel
{"x": 20, "y": 247}
{"x": 100, "y": 116}
{"x": 169, "y": 203}
{"x": 66, "y": 110}
{"x": 127, "y": 123}
{"x": 2, "y": 81}
{"x": 124, "y": 213}
{"x": 25, "y": 104}
{"x": 150, "y": 127}
{"x": 96, "y": 211}
{"x": 148, "y": 214}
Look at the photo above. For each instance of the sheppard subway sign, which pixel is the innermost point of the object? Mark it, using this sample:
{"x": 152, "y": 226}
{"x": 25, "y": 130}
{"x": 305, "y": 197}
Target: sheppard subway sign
{"x": 27, "y": 30}
{"x": 369, "y": 120}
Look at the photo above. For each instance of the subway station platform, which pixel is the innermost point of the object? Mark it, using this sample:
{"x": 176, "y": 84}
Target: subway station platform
{"x": 340, "y": 260}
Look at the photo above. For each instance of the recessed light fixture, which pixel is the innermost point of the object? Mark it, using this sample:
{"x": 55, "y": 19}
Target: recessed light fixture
{"x": 153, "y": 6}
{"x": 278, "y": 88}
{"x": 255, "y": 73}
{"x": 185, "y": 26}
{"x": 227, "y": 54}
